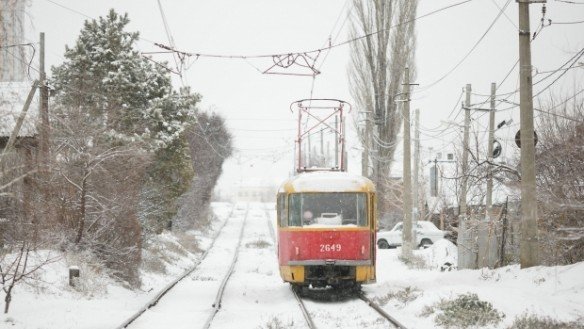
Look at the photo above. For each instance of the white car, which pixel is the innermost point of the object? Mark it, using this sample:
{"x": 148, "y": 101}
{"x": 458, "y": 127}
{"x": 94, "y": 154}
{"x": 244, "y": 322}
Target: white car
{"x": 426, "y": 234}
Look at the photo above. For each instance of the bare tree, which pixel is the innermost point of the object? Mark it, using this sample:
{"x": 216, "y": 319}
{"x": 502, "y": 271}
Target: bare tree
{"x": 560, "y": 180}
{"x": 17, "y": 265}
{"x": 376, "y": 74}
{"x": 96, "y": 188}
{"x": 210, "y": 144}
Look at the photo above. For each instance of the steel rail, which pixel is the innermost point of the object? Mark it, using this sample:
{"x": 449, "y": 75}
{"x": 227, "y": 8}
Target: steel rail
{"x": 217, "y": 303}
{"x": 381, "y": 312}
{"x": 171, "y": 285}
{"x": 305, "y": 313}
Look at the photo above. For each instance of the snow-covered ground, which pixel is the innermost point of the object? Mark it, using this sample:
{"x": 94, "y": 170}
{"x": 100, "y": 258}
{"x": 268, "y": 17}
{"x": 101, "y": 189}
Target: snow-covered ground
{"x": 555, "y": 292}
{"x": 255, "y": 296}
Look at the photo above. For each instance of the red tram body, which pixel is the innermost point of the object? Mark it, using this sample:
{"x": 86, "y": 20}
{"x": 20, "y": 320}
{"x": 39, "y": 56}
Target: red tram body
{"x": 327, "y": 230}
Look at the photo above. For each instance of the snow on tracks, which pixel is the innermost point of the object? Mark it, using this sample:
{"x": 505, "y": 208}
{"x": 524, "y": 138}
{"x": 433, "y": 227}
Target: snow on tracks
{"x": 254, "y": 295}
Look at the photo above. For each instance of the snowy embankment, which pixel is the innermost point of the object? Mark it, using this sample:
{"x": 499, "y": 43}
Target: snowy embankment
{"x": 409, "y": 292}
{"x": 99, "y": 301}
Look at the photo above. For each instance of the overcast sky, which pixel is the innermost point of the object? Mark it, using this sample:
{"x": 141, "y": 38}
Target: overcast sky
{"x": 256, "y": 105}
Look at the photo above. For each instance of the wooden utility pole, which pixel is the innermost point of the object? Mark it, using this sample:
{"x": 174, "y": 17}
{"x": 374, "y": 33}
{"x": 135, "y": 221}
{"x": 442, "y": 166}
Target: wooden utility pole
{"x": 489, "y": 201}
{"x": 19, "y": 121}
{"x": 529, "y": 240}
{"x": 464, "y": 239}
{"x": 43, "y": 109}
{"x": 407, "y": 243}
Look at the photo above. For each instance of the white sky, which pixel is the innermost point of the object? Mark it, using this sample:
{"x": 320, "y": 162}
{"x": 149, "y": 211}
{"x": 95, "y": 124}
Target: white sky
{"x": 256, "y": 105}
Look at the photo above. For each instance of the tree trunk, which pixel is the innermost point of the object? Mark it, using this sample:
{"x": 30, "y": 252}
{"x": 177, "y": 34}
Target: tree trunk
{"x": 82, "y": 208}
{"x": 8, "y": 298}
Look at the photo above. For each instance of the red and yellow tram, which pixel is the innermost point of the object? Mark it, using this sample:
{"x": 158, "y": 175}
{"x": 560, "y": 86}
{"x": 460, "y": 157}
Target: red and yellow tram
{"x": 326, "y": 230}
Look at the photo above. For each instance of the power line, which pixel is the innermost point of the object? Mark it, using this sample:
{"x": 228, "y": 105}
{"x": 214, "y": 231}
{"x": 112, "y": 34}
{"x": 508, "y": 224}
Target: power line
{"x": 87, "y": 16}
{"x": 568, "y": 23}
{"x": 574, "y": 60}
{"x": 509, "y": 19}
{"x": 170, "y": 40}
{"x": 571, "y": 2}
{"x": 69, "y": 9}
{"x": 501, "y": 11}
{"x": 318, "y": 50}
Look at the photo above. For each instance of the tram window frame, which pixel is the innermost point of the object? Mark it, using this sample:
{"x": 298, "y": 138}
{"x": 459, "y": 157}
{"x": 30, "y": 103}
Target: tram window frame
{"x": 282, "y": 210}
{"x": 296, "y": 209}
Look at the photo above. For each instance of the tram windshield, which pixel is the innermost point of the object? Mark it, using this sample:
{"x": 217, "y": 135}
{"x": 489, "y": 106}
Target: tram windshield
{"x": 327, "y": 209}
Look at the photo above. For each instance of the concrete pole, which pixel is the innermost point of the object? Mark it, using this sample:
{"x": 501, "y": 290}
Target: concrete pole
{"x": 464, "y": 236}
{"x": 367, "y": 146}
{"x": 529, "y": 240}
{"x": 465, "y": 147}
{"x": 489, "y": 202}
{"x": 407, "y": 244}
{"x": 416, "y": 198}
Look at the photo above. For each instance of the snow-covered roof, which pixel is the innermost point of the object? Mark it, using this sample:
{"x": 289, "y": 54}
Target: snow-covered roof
{"x": 12, "y": 98}
{"x": 327, "y": 181}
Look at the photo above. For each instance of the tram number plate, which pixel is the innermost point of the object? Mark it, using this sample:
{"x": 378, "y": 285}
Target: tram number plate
{"x": 330, "y": 247}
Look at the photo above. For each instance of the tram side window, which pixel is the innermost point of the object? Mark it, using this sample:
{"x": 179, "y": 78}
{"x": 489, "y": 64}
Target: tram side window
{"x": 361, "y": 206}
{"x": 282, "y": 213}
{"x": 295, "y": 210}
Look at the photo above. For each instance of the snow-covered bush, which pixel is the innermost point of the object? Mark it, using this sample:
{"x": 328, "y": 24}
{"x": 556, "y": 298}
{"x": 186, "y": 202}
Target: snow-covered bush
{"x": 535, "y": 322}
{"x": 210, "y": 144}
{"x": 258, "y": 244}
{"x": 465, "y": 311}
{"x": 404, "y": 296}
{"x": 276, "y": 323}
{"x": 414, "y": 262}
{"x": 94, "y": 277}
{"x": 559, "y": 178}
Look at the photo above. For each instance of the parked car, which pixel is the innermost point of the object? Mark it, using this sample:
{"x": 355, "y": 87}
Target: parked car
{"x": 426, "y": 234}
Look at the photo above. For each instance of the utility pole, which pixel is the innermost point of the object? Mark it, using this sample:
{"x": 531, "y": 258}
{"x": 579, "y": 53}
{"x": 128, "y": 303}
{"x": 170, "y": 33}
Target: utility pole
{"x": 43, "y": 109}
{"x": 407, "y": 244}
{"x": 465, "y": 147}
{"x": 367, "y": 146}
{"x": 416, "y": 199}
{"x": 489, "y": 205}
{"x": 529, "y": 240}
{"x": 464, "y": 243}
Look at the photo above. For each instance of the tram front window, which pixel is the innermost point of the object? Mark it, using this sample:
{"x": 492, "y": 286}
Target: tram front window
{"x": 327, "y": 209}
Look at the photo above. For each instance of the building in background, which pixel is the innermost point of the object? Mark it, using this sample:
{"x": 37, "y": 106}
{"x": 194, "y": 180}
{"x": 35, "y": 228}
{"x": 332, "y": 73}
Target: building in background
{"x": 13, "y": 52}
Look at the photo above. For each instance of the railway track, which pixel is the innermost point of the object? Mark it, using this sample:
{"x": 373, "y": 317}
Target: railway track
{"x": 219, "y": 297}
{"x": 381, "y": 312}
{"x": 173, "y": 306}
{"x": 156, "y": 299}
{"x": 310, "y": 322}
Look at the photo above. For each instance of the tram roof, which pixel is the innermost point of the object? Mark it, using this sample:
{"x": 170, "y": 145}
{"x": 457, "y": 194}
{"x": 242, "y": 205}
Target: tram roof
{"x": 327, "y": 181}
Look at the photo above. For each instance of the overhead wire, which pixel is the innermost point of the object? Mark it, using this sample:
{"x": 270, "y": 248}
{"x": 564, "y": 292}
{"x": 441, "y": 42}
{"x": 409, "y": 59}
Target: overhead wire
{"x": 18, "y": 58}
{"x": 574, "y": 60}
{"x": 568, "y": 23}
{"x": 317, "y": 50}
{"x": 170, "y": 41}
{"x": 468, "y": 53}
